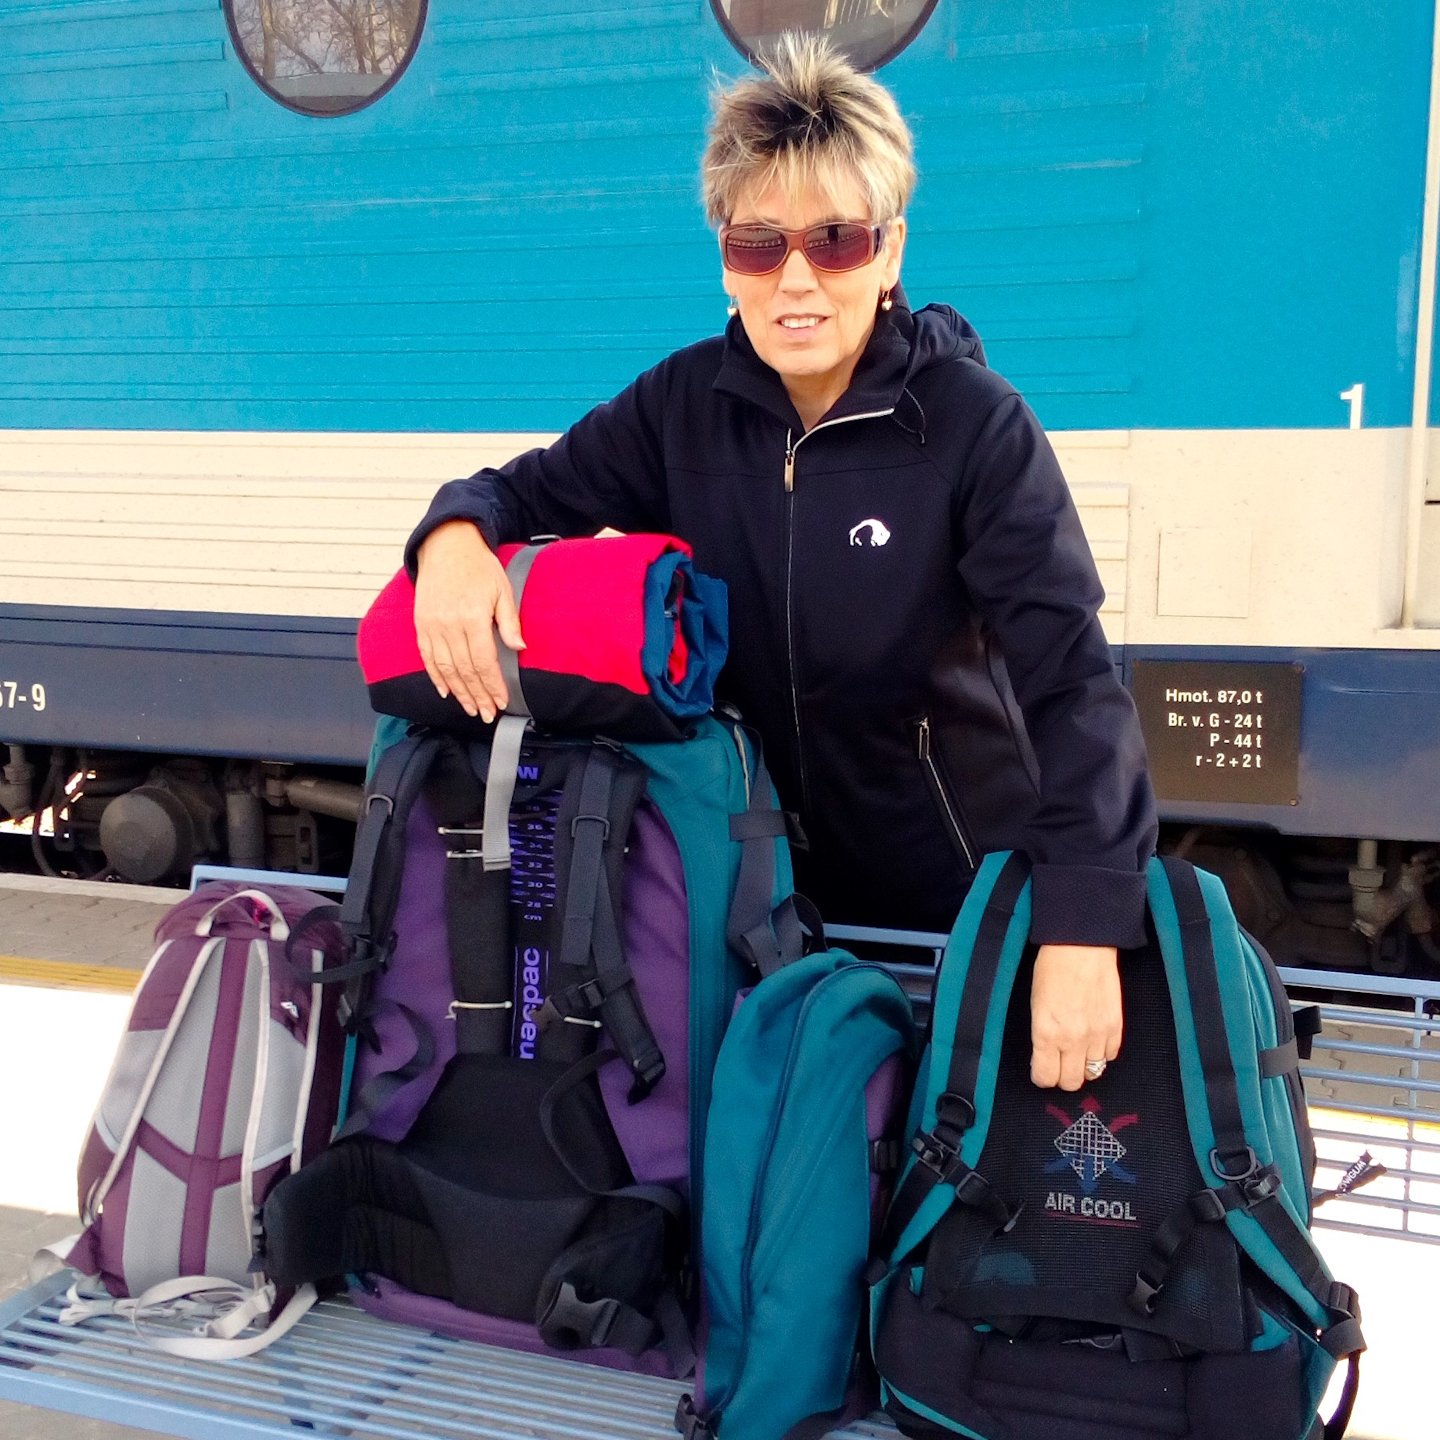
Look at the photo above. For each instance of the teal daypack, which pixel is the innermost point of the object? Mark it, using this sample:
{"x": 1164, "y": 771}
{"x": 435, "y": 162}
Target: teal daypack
{"x": 1134, "y": 1260}
{"x": 805, "y": 1122}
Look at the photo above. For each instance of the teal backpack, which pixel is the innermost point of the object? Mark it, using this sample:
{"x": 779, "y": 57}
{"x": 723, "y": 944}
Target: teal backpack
{"x": 805, "y": 1134}
{"x": 1133, "y": 1260}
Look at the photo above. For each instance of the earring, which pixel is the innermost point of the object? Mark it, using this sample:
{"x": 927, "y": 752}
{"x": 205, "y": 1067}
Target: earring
{"x": 886, "y": 303}
{"x": 733, "y": 308}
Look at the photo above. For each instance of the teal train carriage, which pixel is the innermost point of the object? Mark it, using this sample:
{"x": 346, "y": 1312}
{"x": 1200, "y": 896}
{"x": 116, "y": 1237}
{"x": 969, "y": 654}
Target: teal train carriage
{"x": 274, "y": 268}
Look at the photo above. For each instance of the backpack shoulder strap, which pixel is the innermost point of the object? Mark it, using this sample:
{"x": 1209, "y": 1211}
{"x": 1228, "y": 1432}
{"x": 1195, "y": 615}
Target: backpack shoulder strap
{"x": 367, "y": 917}
{"x": 218, "y": 1312}
{"x": 1221, "y": 1077}
{"x": 765, "y": 932}
{"x": 91, "y": 1202}
{"x": 592, "y": 954}
{"x": 972, "y": 995}
{"x": 367, "y": 911}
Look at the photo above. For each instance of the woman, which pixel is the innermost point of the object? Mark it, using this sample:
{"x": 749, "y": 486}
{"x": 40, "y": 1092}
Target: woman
{"x": 913, "y": 603}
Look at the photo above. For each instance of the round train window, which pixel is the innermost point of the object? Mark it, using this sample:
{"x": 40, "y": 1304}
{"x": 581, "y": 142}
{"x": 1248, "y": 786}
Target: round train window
{"x": 326, "y": 57}
{"x": 867, "y": 32}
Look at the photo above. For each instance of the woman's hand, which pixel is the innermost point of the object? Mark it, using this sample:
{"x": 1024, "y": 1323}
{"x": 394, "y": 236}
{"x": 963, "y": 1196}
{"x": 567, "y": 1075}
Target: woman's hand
{"x": 1075, "y": 1012}
{"x": 462, "y": 595}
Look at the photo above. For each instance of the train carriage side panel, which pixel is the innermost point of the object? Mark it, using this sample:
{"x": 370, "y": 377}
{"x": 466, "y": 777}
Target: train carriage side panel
{"x": 242, "y": 343}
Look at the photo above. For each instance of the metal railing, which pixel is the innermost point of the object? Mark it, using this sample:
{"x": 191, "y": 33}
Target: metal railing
{"x": 1373, "y": 1088}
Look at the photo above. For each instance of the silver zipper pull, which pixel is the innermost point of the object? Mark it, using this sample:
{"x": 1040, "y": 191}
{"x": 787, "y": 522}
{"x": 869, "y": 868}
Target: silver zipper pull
{"x": 789, "y": 465}
{"x": 924, "y": 746}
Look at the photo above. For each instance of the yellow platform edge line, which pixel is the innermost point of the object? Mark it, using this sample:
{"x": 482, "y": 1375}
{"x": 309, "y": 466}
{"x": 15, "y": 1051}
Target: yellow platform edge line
{"x": 66, "y": 975}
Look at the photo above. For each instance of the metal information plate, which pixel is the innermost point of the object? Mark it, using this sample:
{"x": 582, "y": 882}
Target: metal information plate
{"x": 1221, "y": 730}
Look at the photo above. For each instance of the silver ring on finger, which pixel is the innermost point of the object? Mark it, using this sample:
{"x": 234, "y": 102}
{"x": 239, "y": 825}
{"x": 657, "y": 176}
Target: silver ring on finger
{"x": 1094, "y": 1069}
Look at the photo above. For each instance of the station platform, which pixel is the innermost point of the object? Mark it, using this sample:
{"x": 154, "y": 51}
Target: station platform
{"x": 57, "y": 932}
{"x": 71, "y": 953}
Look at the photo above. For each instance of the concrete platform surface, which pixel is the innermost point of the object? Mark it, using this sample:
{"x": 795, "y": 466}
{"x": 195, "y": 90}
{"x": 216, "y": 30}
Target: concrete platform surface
{"x": 55, "y": 1051}
{"x": 78, "y": 921}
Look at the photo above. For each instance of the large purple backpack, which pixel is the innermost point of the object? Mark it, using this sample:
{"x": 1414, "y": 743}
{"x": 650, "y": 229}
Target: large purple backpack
{"x": 225, "y": 1080}
{"x": 547, "y": 940}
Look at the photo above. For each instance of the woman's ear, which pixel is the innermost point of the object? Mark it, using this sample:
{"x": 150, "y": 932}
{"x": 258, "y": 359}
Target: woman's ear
{"x": 893, "y": 252}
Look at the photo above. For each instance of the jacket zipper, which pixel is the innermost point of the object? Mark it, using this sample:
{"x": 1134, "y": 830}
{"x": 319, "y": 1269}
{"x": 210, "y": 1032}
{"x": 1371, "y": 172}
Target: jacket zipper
{"x": 937, "y": 785}
{"x": 791, "y": 446}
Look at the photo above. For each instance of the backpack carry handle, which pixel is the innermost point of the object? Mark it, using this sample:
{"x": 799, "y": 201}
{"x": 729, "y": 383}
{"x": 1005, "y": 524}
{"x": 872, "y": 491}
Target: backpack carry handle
{"x": 517, "y": 572}
{"x": 279, "y": 926}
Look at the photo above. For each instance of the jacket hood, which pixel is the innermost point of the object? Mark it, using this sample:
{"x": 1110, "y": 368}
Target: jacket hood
{"x": 940, "y": 333}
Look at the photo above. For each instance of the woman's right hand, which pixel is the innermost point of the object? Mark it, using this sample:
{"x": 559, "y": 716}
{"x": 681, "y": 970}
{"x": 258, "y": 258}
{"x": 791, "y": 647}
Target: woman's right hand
{"x": 462, "y": 595}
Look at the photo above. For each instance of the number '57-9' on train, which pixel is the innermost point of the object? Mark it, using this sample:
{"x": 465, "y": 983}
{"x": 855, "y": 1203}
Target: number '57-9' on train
{"x": 272, "y": 269}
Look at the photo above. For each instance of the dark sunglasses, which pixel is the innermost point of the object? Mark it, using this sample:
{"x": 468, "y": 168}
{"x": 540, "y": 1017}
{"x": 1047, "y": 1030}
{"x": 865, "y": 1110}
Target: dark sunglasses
{"x": 836, "y": 245}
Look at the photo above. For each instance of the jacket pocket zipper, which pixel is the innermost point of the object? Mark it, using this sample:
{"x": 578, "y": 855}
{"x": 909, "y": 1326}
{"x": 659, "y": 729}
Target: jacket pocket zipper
{"x": 951, "y": 811}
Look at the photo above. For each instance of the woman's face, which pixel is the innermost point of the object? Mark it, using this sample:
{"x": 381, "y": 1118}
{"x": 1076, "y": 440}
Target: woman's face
{"x": 810, "y": 325}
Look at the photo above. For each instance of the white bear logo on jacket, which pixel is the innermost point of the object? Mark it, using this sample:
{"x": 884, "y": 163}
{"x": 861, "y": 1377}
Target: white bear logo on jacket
{"x": 879, "y": 532}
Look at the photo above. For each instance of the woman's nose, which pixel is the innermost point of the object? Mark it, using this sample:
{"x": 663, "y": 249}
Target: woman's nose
{"x": 796, "y": 273}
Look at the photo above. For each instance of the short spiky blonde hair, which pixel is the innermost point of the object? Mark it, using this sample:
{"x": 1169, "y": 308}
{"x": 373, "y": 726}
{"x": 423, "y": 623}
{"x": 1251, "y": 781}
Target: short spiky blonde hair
{"x": 808, "y": 121}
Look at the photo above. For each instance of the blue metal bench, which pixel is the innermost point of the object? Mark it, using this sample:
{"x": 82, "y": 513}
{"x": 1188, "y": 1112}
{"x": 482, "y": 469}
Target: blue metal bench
{"x": 339, "y": 1372}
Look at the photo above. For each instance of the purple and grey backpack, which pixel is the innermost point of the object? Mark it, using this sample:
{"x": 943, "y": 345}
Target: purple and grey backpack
{"x": 225, "y": 1080}
{"x": 547, "y": 937}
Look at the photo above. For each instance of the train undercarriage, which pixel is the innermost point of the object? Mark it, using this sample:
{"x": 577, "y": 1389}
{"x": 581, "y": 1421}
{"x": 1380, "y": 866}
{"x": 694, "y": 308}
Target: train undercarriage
{"x": 1333, "y": 903}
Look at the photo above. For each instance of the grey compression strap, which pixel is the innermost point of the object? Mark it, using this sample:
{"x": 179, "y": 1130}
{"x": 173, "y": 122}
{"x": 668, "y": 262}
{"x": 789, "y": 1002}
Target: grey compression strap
{"x": 517, "y": 572}
{"x": 500, "y": 789}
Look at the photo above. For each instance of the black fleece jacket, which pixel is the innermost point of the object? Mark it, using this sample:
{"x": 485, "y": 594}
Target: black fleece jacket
{"x": 912, "y": 611}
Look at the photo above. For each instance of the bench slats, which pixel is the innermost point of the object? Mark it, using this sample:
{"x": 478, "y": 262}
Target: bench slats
{"x": 340, "y": 1371}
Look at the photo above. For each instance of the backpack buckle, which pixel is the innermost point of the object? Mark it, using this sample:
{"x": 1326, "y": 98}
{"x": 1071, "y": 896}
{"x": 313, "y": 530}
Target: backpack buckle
{"x": 934, "y": 1154}
{"x": 574, "y": 1002}
{"x": 570, "y": 1323}
{"x": 885, "y": 1155}
{"x": 648, "y": 1069}
{"x": 939, "y": 1149}
{"x": 1264, "y": 1185}
{"x": 1145, "y": 1295}
{"x": 689, "y": 1422}
{"x": 973, "y": 1191}
{"x": 1208, "y": 1206}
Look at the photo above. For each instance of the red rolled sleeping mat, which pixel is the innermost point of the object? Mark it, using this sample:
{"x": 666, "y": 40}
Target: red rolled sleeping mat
{"x": 623, "y": 637}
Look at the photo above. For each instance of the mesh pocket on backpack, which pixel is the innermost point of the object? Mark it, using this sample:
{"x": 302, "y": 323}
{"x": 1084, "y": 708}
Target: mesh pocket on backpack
{"x": 1097, "y": 1172}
